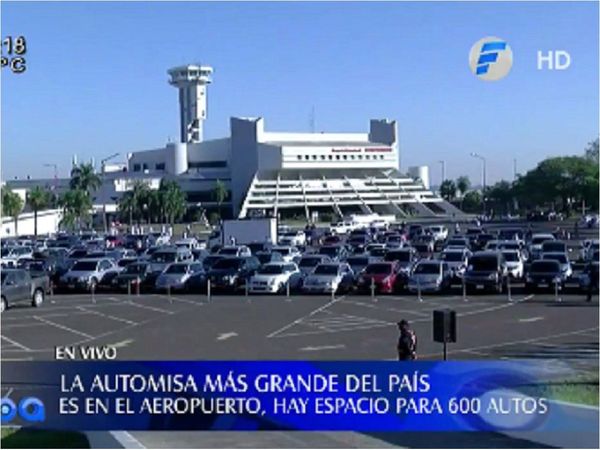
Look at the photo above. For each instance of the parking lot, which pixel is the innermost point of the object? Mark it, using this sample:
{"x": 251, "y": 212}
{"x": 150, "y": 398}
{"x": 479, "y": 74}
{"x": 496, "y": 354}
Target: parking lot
{"x": 563, "y": 331}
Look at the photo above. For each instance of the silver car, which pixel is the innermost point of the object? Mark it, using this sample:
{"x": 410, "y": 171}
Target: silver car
{"x": 87, "y": 273}
{"x": 176, "y": 274}
{"x": 430, "y": 276}
{"x": 329, "y": 278}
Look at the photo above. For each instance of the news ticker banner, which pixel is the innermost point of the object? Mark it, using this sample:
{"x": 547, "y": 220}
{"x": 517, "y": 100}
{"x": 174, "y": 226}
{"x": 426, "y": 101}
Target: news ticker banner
{"x": 278, "y": 395}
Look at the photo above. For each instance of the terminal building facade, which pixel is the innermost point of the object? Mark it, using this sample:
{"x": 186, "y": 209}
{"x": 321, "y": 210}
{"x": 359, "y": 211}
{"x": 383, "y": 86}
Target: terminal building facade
{"x": 269, "y": 173}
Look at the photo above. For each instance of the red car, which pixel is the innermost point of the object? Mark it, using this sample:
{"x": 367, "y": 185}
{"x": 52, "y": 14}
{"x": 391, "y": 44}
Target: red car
{"x": 383, "y": 274}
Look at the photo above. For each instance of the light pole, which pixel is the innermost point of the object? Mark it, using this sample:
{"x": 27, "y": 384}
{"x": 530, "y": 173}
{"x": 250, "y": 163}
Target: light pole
{"x": 514, "y": 169}
{"x": 483, "y": 176}
{"x": 102, "y": 162}
{"x": 443, "y": 164}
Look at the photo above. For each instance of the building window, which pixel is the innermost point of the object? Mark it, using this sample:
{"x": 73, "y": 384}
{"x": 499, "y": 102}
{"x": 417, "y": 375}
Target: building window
{"x": 306, "y": 156}
{"x": 351, "y": 156}
{"x": 345, "y": 156}
{"x": 337, "y": 156}
{"x": 206, "y": 164}
{"x": 330, "y": 156}
{"x": 314, "y": 156}
{"x": 322, "y": 156}
{"x": 299, "y": 157}
{"x": 160, "y": 166}
{"x": 145, "y": 166}
{"x": 367, "y": 156}
{"x": 359, "y": 156}
{"x": 136, "y": 168}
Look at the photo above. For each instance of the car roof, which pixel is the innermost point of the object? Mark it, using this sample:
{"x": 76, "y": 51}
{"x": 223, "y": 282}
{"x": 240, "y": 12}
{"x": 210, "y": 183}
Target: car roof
{"x": 92, "y": 259}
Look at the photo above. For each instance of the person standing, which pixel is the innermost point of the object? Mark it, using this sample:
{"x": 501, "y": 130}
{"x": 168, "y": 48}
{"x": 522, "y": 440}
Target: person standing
{"x": 407, "y": 342}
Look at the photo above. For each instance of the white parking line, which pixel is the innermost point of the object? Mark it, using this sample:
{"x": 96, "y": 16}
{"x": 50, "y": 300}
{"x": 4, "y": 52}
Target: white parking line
{"x": 16, "y": 344}
{"x": 151, "y": 308}
{"x": 376, "y": 306}
{"x": 179, "y": 299}
{"x": 63, "y": 327}
{"x": 312, "y": 313}
{"x": 108, "y": 316}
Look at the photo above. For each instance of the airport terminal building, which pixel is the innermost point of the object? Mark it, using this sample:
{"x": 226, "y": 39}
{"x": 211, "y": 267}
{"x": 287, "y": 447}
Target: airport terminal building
{"x": 270, "y": 173}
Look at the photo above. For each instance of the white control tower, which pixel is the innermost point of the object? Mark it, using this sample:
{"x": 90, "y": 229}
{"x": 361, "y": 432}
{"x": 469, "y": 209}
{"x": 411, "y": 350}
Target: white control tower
{"x": 191, "y": 80}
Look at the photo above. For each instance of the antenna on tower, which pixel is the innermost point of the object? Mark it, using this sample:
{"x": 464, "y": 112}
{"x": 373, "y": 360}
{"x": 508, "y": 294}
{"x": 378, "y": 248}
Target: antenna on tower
{"x": 311, "y": 120}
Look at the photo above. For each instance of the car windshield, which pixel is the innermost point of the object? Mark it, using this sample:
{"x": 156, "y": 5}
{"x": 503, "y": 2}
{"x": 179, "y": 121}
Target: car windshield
{"x": 539, "y": 239}
{"x": 177, "y": 268}
{"x": 264, "y": 257}
{"x": 427, "y": 268}
{"x": 374, "y": 269}
{"x": 398, "y": 256}
{"x": 3, "y": 277}
{"x": 329, "y": 251}
{"x": 561, "y": 258}
{"x": 456, "y": 242}
{"x": 511, "y": 256}
{"x": 545, "y": 266}
{"x": 5, "y": 252}
{"x": 84, "y": 266}
{"x": 358, "y": 261}
{"x": 229, "y": 251}
{"x": 282, "y": 250}
{"x": 452, "y": 256}
{"x": 135, "y": 268}
{"x": 309, "y": 262}
{"x": 228, "y": 263}
{"x": 163, "y": 257}
{"x": 78, "y": 254}
{"x": 36, "y": 266}
{"x": 270, "y": 269}
{"x": 553, "y": 246}
{"x": 326, "y": 269}
{"x": 484, "y": 263}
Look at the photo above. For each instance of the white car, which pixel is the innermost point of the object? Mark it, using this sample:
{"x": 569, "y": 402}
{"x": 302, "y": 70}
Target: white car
{"x": 590, "y": 247}
{"x": 514, "y": 263}
{"x": 235, "y": 250}
{"x": 274, "y": 277}
{"x": 343, "y": 227}
{"x": 439, "y": 232}
{"x": 287, "y": 252}
{"x": 293, "y": 238}
{"x": 12, "y": 255}
{"x": 189, "y": 243}
{"x": 563, "y": 260}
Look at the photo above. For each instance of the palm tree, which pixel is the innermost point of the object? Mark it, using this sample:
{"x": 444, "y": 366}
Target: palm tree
{"x": 12, "y": 205}
{"x": 463, "y": 184}
{"x": 173, "y": 200}
{"x": 76, "y": 204}
{"x": 84, "y": 177}
{"x": 220, "y": 193}
{"x": 37, "y": 199}
{"x": 448, "y": 190}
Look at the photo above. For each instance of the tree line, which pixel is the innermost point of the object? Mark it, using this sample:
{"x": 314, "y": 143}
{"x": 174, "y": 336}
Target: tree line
{"x": 167, "y": 204}
{"x": 564, "y": 184}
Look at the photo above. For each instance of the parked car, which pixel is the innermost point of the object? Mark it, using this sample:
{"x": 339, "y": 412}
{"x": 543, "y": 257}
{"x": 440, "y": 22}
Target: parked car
{"x": 457, "y": 260}
{"x": 486, "y": 270}
{"x": 335, "y": 252}
{"x": 358, "y": 262}
{"x": 134, "y": 274}
{"x": 563, "y": 260}
{"x": 274, "y": 277}
{"x": 329, "y": 278}
{"x": 458, "y": 242}
{"x": 430, "y": 276}
{"x": 268, "y": 257}
{"x": 176, "y": 274}
{"x": 288, "y": 253}
{"x": 535, "y": 245}
{"x": 544, "y": 274}
{"x": 19, "y": 287}
{"x": 232, "y": 273}
{"x": 86, "y": 274}
{"x": 383, "y": 276}
{"x": 439, "y": 232}
{"x": 514, "y": 263}
{"x": 292, "y": 238}
{"x": 235, "y": 250}
{"x": 307, "y": 263}
{"x": 405, "y": 258}
{"x": 553, "y": 247}
{"x": 161, "y": 258}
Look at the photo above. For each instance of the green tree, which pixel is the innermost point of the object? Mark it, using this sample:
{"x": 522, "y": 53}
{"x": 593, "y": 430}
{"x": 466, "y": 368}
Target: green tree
{"x": 135, "y": 202}
{"x": 173, "y": 200}
{"x": 84, "y": 177}
{"x": 500, "y": 196}
{"x": 37, "y": 199}
{"x": 448, "y": 190}
{"x": 471, "y": 202}
{"x": 12, "y": 205}
{"x": 76, "y": 205}
{"x": 591, "y": 151}
{"x": 462, "y": 184}
{"x": 220, "y": 194}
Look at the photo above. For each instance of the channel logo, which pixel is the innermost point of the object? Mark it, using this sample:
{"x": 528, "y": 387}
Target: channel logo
{"x": 30, "y": 409}
{"x": 490, "y": 58}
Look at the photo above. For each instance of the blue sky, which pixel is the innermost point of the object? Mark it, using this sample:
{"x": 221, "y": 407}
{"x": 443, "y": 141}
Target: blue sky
{"x": 96, "y": 80}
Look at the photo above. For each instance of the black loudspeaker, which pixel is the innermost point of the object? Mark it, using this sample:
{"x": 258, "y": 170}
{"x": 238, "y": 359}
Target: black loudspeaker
{"x": 444, "y": 326}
